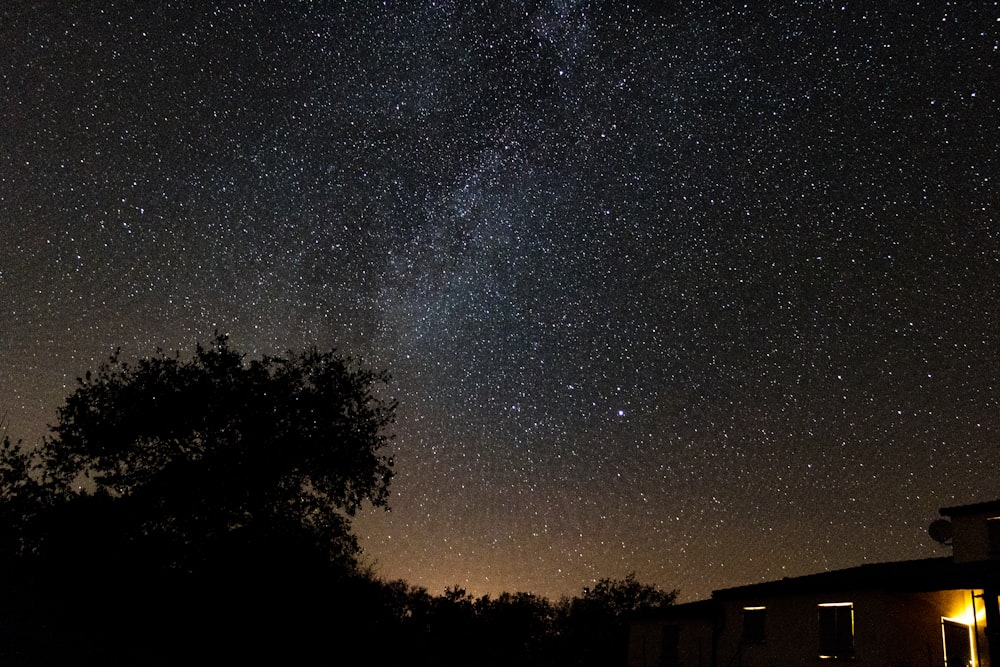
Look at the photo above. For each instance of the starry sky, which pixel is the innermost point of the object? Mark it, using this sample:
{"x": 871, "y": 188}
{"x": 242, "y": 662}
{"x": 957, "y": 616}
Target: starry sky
{"x": 705, "y": 291}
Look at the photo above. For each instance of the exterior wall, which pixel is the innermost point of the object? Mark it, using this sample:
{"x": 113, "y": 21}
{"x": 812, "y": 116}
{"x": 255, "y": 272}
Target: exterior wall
{"x": 643, "y": 649}
{"x": 908, "y": 626}
{"x": 890, "y": 629}
{"x": 694, "y": 643}
{"x": 791, "y": 631}
{"x": 971, "y": 541}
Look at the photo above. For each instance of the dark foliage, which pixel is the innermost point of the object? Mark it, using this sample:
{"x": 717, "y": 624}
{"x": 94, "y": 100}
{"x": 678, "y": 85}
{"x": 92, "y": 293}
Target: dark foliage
{"x": 596, "y": 625}
{"x": 182, "y": 462}
{"x": 455, "y": 629}
{"x": 198, "y": 512}
{"x": 206, "y": 497}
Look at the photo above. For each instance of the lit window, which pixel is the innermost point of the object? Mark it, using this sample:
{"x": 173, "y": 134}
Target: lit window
{"x": 836, "y": 630}
{"x": 753, "y": 625}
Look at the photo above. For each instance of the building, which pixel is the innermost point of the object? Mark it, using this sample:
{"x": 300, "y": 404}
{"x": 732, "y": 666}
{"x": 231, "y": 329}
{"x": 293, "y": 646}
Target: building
{"x": 684, "y": 634}
{"x": 929, "y": 612}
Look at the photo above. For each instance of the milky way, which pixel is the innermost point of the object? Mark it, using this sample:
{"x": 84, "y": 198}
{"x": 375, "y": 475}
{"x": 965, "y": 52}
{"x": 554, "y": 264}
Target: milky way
{"x": 708, "y": 293}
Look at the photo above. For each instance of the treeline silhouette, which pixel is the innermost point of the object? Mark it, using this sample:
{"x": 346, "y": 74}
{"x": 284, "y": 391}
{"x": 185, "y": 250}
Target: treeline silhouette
{"x": 273, "y": 609}
{"x": 198, "y": 511}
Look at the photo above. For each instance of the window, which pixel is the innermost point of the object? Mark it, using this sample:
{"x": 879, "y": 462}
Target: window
{"x": 957, "y": 638}
{"x": 836, "y": 630}
{"x": 670, "y": 645}
{"x": 753, "y": 625}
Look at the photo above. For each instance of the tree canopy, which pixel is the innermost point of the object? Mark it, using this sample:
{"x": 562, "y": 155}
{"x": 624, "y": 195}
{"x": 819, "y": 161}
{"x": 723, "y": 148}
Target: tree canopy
{"x": 201, "y": 506}
{"x": 186, "y": 460}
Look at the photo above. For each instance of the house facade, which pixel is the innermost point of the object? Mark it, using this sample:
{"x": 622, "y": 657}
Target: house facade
{"x": 931, "y": 612}
{"x": 684, "y": 634}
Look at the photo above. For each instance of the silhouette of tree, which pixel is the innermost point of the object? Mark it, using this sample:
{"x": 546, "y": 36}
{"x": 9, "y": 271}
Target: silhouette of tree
{"x": 21, "y": 496}
{"x": 455, "y": 629}
{"x": 209, "y": 495}
{"x": 201, "y": 507}
{"x": 595, "y": 625}
{"x": 207, "y": 456}
{"x": 626, "y": 597}
{"x": 517, "y": 628}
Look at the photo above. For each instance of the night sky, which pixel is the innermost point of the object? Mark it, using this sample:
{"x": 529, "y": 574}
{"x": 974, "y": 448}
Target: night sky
{"x": 708, "y": 293}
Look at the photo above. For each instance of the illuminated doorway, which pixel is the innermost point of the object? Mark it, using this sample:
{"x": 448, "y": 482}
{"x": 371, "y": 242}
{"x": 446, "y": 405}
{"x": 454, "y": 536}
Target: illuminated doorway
{"x": 959, "y": 650}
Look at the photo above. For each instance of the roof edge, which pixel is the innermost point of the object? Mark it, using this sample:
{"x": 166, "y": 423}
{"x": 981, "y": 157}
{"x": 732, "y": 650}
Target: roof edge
{"x": 974, "y": 508}
{"x": 936, "y": 573}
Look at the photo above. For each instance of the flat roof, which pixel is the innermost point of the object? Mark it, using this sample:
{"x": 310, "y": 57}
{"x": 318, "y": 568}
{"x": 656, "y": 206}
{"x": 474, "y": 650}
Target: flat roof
{"x": 928, "y": 574}
{"x": 975, "y": 508}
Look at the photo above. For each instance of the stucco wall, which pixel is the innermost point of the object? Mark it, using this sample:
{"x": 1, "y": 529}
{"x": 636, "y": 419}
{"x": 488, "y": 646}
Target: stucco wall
{"x": 694, "y": 645}
{"x": 890, "y": 629}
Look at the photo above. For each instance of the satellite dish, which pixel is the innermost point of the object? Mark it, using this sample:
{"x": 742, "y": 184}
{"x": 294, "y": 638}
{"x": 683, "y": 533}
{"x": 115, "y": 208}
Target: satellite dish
{"x": 941, "y": 531}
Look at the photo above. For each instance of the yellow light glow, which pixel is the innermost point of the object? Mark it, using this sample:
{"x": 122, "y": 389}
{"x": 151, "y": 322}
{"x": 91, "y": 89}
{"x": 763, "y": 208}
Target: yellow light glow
{"x": 836, "y": 604}
{"x": 970, "y": 612}
{"x": 754, "y": 608}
